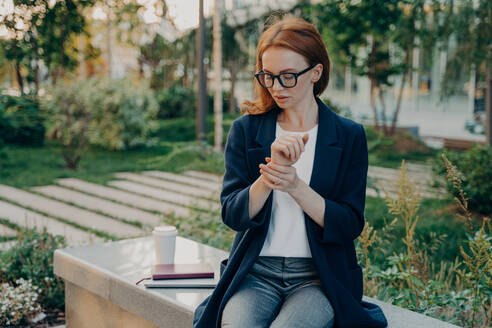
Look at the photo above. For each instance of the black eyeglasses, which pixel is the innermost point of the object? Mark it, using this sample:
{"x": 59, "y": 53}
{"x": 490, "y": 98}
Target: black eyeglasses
{"x": 287, "y": 80}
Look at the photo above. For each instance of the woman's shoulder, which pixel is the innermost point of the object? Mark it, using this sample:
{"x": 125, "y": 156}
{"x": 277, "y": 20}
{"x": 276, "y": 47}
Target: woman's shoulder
{"x": 247, "y": 121}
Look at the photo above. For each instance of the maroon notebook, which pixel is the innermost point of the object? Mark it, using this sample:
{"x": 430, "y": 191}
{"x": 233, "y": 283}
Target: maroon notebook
{"x": 182, "y": 271}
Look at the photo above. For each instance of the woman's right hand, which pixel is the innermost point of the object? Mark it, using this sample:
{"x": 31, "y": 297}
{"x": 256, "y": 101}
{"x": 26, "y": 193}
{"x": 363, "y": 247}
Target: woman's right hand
{"x": 287, "y": 148}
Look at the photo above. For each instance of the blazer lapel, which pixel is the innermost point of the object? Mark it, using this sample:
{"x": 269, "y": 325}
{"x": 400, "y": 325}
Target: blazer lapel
{"x": 264, "y": 138}
{"x": 327, "y": 154}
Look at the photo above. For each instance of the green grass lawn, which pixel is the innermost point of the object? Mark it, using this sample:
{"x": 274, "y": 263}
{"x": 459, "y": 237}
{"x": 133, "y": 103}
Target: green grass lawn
{"x": 36, "y": 166}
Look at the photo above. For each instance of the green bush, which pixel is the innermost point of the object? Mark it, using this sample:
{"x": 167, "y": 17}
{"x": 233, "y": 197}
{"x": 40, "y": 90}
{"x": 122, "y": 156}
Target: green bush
{"x": 388, "y": 151}
{"x": 3, "y": 154}
{"x": 32, "y": 258}
{"x": 475, "y": 167}
{"x": 123, "y": 113}
{"x": 176, "y": 101}
{"x": 184, "y": 129}
{"x": 113, "y": 114}
{"x": 69, "y": 120}
{"x": 21, "y": 120}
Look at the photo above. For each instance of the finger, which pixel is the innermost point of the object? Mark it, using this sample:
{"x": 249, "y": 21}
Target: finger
{"x": 297, "y": 148}
{"x": 269, "y": 184}
{"x": 288, "y": 142}
{"x": 272, "y": 175}
{"x": 292, "y": 142}
{"x": 284, "y": 148}
{"x": 300, "y": 142}
{"x": 305, "y": 138}
{"x": 283, "y": 169}
{"x": 268, "y": 159}
{"x": 273, "y": 172}
{"x": 272, "y": 179}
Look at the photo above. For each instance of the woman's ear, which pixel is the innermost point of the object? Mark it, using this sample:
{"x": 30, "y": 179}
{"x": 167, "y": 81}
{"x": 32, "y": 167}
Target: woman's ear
{"x": 318, "y": 69}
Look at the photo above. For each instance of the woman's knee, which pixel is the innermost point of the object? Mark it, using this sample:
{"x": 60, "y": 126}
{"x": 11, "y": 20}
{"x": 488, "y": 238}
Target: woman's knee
{"x": 306, "y": 307}
{"x": 250, "y": 307}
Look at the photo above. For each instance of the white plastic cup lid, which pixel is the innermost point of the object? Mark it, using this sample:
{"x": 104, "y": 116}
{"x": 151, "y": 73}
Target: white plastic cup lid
{"x": 165, "y": 230}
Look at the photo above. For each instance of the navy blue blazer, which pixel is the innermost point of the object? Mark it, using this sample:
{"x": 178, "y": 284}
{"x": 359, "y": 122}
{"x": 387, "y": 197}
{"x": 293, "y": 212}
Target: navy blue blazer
{"x": 339, "y": 176}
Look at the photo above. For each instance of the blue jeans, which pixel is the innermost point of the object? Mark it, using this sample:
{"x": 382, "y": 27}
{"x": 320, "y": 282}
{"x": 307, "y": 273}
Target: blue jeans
{"x": 279, "y": 292}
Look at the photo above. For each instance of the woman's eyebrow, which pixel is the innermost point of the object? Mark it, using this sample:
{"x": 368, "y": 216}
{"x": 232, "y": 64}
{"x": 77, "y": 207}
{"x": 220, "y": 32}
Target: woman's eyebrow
{"x": 284, "y": 70}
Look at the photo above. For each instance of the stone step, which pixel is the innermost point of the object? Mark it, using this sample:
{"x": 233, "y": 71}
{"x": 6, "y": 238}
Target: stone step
{"x": 125, "y": 197}
{"x": 29, "y": 219}
{"x": 418, "y": 167}
{"x": 204, "y": 175}
{"x": 387, "y": 173}
{"x": 379, "y": 183}
{"x": 70, "y": 213}
{"x": 169, "y": 185}
{"x": 6, "y": 231}
{"x": 101, "y": 205}
{"x": 165, "y": 195}
{"x": 208, "y": 185}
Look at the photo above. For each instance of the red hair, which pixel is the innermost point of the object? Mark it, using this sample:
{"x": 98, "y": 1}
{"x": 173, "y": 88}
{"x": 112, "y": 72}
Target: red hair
{"x": 295, "y": 34}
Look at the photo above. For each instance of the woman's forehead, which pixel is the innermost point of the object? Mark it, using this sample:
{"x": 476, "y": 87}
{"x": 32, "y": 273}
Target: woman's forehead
{"x": 276, "y": 60}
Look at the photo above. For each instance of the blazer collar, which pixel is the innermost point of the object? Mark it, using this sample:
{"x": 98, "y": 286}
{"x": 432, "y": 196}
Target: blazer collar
{"x": 327, "y": 134}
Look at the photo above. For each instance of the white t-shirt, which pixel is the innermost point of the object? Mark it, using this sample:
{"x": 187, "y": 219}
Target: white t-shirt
{"x": 287, "y": 235}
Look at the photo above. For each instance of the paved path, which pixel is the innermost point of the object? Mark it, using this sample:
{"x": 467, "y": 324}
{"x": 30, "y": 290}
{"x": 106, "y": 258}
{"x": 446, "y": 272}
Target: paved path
{"x": 29, "y": 219}
{"x": 169, "y": 185}
{"x": 6, "y": 231}
{"x": 204, "y": 175}
{"x": 125, "y": 197}
{"x": 100, "y": 205}
{"x": 209, "y": 185}
{"x": 166, "y": 195}
{"x": 70, "y": 213}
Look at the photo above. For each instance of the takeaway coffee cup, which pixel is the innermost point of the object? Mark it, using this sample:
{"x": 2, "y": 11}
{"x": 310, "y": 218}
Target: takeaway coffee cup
{"x": 164, "y": 244}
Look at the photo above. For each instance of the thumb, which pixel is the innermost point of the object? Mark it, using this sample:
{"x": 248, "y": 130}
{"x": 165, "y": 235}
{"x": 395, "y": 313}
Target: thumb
{"x": 305, "y": 138}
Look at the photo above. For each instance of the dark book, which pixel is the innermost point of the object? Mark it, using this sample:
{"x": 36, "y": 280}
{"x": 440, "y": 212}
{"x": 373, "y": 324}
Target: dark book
{"x": 181, "y": 271}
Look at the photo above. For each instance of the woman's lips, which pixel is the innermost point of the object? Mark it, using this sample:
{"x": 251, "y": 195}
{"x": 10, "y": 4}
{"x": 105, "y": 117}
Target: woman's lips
{"x": 281, "y": 98}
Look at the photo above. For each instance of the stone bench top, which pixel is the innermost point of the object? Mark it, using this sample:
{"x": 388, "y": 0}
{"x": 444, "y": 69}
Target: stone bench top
{"x": 111, "y": 270}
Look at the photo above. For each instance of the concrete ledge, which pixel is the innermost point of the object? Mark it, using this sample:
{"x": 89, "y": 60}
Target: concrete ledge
{"x": 109, "y": 271}
{"x": 101, "y": 291}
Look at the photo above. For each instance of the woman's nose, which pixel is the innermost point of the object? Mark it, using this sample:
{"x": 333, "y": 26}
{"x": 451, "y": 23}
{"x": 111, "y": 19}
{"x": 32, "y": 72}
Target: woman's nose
{"x": 276, "y": 84}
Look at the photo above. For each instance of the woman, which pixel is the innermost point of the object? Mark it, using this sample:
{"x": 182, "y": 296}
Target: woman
{"x": 293, "y": 261}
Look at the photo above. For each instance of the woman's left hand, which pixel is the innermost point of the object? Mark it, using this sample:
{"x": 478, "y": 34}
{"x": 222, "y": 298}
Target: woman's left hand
{"x": 279, "y": 177}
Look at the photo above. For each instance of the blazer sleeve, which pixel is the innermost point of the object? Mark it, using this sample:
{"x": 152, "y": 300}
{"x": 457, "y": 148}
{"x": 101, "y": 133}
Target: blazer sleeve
{"x": 234, "y": 196}
{"x": 344, "y": 216}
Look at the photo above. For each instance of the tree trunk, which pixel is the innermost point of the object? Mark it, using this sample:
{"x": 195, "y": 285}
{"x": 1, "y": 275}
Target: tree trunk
{"x": 217, "y": 49}
{"x": 373, "y": 103}
{"x": 400, "y": 93}
{"x": 383, "y": 109}
{"x": 232, "y": 93}
{"x": 18, "y": 75}
{"x": 371, "y": 69}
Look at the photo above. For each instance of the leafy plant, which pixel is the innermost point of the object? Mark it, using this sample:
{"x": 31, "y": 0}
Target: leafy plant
{"x": 70, "y": 120}
{"x": 473, "y": 169}
{"x": 123, "y": 113}
{"x": 477, "y": 276}
{"x": 457, "y": 292}
{"x": 21, "y": 120}
{"x": 19, "y": 304}
{"x": 32, "y": 258}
